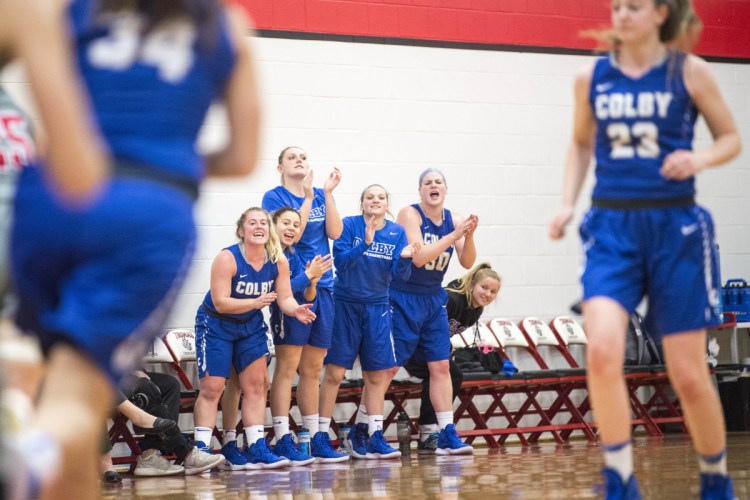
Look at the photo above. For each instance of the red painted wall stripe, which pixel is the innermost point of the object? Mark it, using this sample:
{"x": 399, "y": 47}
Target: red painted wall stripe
{"x": 537, "y": 23}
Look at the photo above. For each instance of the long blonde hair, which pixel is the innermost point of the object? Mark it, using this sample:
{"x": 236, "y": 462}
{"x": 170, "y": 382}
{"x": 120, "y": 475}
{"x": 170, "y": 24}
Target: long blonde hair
{"x": 273, "y": 245}
{"x": 466, "y": 282}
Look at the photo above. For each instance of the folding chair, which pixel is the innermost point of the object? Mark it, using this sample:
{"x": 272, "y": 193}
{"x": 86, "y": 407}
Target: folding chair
{"x": 180, "y": 344}
{"x": 573, "y": 378}
{"x": 541, "y": 336}
{"x": 570, "y": 336}
{"x": 538, "y": 381}
{"x": 658, "y": 408}
{"x": 493, "y": 386}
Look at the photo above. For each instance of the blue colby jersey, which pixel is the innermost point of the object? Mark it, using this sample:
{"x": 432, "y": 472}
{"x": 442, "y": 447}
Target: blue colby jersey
{"x": 429, "y": 278}
{"x": 247, "y": 283}
{"x": 314, "y": 240}
{"x": 363, "y": 273}
{"x": 139, "y": 86}
{"x": 638, "y": 123}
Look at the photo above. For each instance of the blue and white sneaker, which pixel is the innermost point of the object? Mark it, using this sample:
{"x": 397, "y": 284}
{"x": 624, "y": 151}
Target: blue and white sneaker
{"x": 378, "y": 447}
{"x": 716, "y": 487}
{"x": 450, "y": 444}
{"x": 287, "y": 448}
{"x": 323, "y": 450}
{"x": 616, "y": 489}
{"x": 260, "y": 457}
{"x": 235, "y": 459}
{"x": 356, "y": 441}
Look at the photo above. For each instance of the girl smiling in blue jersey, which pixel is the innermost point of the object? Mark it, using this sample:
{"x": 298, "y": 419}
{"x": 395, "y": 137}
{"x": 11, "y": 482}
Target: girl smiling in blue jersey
{"x": 635, "y": 110}
{"x": 369, "y": 253}
{"x": 291, "y": 338}
{"x": 230, "y": 330}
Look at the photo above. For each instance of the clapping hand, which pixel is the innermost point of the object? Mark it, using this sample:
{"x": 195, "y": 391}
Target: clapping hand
{"x": 333, "y": 180}
{"x": 411, "y": 250}
{"x": 318, "y": 267}
{"x": 304, "y": 314}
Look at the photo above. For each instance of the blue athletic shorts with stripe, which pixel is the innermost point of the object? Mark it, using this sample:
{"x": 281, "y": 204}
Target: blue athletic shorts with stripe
{"x": 291, "y": 331}
{"x": 420, "y": 326}
{"x": 221, "y": 344}
{"x": 102, "y": 278}
{"x": 288, "y": 330}
{"x": 667, "y": 254}
{"x": 362, "y": 330}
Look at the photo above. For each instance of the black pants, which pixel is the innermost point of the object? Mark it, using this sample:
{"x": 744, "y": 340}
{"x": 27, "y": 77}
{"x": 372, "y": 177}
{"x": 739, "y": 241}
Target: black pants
{"x": 421, "y": 370}
{"x": 159, "y": 395}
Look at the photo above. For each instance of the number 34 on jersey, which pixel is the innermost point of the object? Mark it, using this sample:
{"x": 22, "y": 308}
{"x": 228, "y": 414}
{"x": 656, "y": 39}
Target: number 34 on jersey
{"x": 168, "y": 48}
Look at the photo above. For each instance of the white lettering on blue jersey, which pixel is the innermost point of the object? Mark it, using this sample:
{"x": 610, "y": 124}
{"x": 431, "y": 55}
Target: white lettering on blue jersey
{"x": 618, "y": 105}
{"x": 431, "y": 238}
{"x": 317, "y": 214}
{"x": 253, "y": 288}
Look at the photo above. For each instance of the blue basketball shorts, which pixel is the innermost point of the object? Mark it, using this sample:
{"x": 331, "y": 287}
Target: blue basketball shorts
{"x": 103, "y": 277}
{"x": 321, "y": 333}
{"x": 221, "y": 345}
{"x": 363, "y": 330}
{"x": 288, "y": 330}
{"x": 666, "y": 254}
{"x": 420, "y": 326}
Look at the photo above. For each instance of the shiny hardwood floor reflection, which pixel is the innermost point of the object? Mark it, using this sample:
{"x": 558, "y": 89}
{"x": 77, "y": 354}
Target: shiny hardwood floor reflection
{"x": 666, "y": 469}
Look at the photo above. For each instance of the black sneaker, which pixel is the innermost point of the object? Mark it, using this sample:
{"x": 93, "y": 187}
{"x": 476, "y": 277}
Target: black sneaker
{"x": 111, "y": 477}
{"x": 429, "y": 445}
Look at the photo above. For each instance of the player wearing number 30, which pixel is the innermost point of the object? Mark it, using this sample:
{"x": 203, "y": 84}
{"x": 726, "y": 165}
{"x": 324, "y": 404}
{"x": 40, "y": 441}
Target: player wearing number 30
{"x": 420, "y": 318}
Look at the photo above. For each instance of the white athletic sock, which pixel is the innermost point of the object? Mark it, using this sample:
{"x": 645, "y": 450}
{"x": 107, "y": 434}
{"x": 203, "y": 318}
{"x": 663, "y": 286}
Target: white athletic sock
{"x": 374, "y": 424}
{"x": 253, "y": 433}
{"x": 311, "y": 422}
{"x": 203, "y": 434}
{"x": 714, "y": 464}
{"x": 444, "y": 418}
{"x": 619, "y": 457}
{"x": 280, "y": 427}
{"x": 324, "y": 423}
{"x": 361, "y": 414}
{"x": 426, "y": 430}
{"x": 230, "y": 436}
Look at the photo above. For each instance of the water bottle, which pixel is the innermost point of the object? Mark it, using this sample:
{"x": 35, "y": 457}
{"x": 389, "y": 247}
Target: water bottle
{"x": 403, "y": 431}
{"x": 303, "y": 438}
{"x": 343, "y": 433}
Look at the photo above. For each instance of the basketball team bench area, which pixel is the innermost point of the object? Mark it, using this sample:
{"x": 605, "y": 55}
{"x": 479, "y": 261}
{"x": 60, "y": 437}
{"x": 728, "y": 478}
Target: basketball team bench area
{"x": 545, "y": 401}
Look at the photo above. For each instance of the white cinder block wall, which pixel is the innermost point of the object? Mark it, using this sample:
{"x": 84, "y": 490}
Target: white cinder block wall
{"x": 497, "y": 124}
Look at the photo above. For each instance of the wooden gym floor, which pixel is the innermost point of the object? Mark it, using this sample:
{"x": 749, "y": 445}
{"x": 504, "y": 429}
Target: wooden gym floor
{"x": 666, "y": 470}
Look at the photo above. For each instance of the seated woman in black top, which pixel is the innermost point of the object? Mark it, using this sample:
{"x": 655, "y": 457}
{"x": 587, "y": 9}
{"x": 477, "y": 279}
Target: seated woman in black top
{"x": 467, "y": 298}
